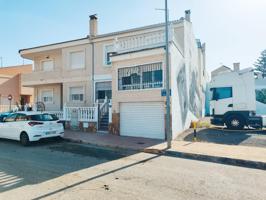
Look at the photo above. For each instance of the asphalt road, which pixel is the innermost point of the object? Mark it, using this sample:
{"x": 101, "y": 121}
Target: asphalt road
{"x": 256, "y": 138}
{"x": 52, "y": 170}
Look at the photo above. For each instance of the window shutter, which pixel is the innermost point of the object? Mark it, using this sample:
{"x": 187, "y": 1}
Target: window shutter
{"x": 48, "y": 65}
{"x": 77, "y": 60}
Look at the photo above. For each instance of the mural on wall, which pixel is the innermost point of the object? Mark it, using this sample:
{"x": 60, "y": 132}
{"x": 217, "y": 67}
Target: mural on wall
{"x": 181, "y": 82}
{"x": 194, "y": 94}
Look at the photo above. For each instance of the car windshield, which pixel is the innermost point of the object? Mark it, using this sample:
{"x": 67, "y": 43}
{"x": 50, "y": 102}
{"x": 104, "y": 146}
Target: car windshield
{"x": 43, "y": 117}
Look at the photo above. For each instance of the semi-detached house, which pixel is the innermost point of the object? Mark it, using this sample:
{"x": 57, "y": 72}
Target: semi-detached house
{"x": 126, "y": 68}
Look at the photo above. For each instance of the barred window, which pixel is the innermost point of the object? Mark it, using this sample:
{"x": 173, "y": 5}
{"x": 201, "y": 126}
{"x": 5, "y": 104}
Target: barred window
{"x": 140, "y": 77}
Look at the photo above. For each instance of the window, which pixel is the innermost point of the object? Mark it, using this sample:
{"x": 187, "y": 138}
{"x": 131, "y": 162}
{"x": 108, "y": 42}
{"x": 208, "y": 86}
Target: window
{"x": 21, "y": 117}
{"x": 43, "y": 117}
{"x": 221, "y": 93}
{"x": 77, "y": 60}
{"x": 140, "y": 77}
{"x": 108, "y": 49}
{"x": 261, "y": 95}
{"x": 48, "y": 65}
{"x": 47, "y": 96}
{"x": 152, "y": 79}
{"x": 76, "y": 94}
{"x": 11, "y": 118}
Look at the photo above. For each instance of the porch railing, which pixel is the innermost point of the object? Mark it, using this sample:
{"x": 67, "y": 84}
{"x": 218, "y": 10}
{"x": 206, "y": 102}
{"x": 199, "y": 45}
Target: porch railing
{"x": 104, "y": 108}
{"x": 88, "y": 114}
{"x": 84, "y": 114}
{"x": 59, "y": 114}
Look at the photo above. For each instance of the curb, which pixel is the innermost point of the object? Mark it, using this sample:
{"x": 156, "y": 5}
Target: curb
{"x": 219, "y": 160}
{"x": 184, "y": 155}
{"x": 114, "y": 148}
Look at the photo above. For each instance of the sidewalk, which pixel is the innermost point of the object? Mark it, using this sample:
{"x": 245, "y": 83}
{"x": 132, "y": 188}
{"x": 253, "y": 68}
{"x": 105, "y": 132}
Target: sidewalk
{"x": 253, "y": 157}
{"x": 113, "y": 141}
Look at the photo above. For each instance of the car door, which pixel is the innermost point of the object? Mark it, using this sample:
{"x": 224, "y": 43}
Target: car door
{"x": 1, "y": 128}
{"x": 19, "y": 125}
{"x": 8, "y": 126}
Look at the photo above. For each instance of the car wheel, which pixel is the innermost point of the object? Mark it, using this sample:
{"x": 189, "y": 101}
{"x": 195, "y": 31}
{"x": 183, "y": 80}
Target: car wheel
{"x": 235, "y": 123}
{"x": 24, "y": 139}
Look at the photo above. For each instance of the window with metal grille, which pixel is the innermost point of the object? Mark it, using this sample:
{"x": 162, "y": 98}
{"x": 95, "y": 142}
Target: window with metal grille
{"x": 140, "y": 77}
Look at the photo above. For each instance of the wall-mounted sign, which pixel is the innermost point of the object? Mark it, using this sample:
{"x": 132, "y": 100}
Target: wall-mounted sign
{"x": 163, "y": 93}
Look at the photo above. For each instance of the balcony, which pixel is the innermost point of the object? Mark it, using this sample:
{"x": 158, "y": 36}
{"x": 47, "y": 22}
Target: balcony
{"x": 41, "y": 78}
{"x": 141, "y": 41}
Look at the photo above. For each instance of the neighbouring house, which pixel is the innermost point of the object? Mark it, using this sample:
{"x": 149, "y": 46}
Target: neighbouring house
{"x": 117, "y": 80}
{"x": 220, "y": 70}
{"x": 10, "y": 84}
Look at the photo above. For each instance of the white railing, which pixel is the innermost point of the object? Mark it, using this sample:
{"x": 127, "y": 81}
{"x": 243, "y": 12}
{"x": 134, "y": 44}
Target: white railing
{"x": 59, "y": 114}
{"x": 84, "y": 114}
{"x": 110, "y": 111}
{"x": 104, "y": 108}
{"x": 88, "y": 114}
{"x": 141, "y": 41}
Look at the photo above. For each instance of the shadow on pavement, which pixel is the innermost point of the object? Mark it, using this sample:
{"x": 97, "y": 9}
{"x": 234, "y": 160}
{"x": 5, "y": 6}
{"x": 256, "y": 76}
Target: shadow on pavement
{"x": 224, "y": 136}
{"x": 48, "y": 159}
{"x": 95, "y": 177}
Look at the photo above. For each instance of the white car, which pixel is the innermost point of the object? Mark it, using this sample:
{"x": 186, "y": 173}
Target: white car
{"x": 30, "y": 126}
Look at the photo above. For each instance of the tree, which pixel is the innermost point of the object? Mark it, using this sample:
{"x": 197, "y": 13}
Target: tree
{"x": 260, "y": 64}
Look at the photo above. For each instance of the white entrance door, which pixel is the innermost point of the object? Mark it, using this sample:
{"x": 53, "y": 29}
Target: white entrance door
{"x": 142, "y": 120}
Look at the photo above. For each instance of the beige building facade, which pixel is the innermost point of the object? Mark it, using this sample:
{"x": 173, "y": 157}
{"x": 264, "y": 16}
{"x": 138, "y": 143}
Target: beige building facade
{"x": 128, "y": 69}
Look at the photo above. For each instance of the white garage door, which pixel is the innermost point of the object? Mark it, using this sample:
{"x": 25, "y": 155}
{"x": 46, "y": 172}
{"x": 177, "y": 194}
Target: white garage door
{"x": 142, "y": 119}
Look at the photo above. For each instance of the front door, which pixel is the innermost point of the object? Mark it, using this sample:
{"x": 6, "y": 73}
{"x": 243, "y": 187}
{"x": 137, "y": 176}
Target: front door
{"x": 103, "y": 90}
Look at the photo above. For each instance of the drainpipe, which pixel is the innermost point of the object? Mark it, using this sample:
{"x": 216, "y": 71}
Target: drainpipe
{"x": 92, "y": 73}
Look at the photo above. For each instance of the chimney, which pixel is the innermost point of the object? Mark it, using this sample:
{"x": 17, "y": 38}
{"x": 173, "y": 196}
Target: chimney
{"x": 93, "y": 25}
{"x": 187, "y": 15}
{"x": 236, "y": 67}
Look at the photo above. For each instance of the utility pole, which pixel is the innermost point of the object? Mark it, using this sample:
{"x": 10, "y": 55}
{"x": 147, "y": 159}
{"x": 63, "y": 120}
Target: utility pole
{"x": 1, "y": 58}
{"x": 168, "y": 128}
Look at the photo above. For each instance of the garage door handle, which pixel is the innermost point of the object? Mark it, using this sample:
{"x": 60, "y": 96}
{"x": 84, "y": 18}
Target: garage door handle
{"x": 230, "y": 105}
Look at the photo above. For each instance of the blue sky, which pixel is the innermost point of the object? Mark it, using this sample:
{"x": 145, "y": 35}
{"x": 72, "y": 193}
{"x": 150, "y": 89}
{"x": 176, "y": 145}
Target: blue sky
{"x": 234, "y": 30}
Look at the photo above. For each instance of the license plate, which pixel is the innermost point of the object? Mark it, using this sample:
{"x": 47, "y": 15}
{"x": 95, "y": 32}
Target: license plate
{"x": 50, "y": 132}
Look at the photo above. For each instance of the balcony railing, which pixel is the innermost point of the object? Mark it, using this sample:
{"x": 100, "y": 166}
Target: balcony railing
{"x": 141, "y": 41}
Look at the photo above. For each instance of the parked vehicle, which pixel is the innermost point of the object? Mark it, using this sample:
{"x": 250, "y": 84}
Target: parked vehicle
{"x": 30, "y": 126}
{"x": 233, "y": 100}
{"x": 3, "y": 116}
